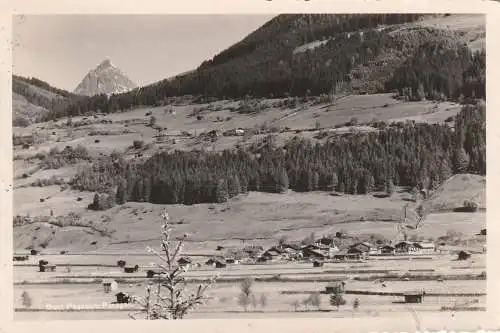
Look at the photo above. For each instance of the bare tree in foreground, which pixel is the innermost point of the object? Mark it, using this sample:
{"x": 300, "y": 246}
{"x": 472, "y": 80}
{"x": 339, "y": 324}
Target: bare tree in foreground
{"x": 167, "y": 296}
{"x": 263, "y": 301}
{"x": 245, "y": 298}
{"x": 26, "y": 299}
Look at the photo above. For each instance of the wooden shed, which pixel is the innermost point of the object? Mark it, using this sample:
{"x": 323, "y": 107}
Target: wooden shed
{"x": 131, "y": 269}
{"x": 464, "y": 255}
{"x": 121, "y": 297}
{"x": 151, "y": 273}
{"x": 47, "y": 268}
{"x": 413, "y": 297}
{"x": 109, "y": 285}
{"x": 220, "y": 264}
{"x": 318, "y": 263}
{"x": 184, "y": 261}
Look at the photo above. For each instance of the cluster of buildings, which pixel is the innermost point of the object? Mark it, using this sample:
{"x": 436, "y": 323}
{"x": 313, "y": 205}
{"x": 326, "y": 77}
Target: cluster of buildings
{"x": 326, "y": 248}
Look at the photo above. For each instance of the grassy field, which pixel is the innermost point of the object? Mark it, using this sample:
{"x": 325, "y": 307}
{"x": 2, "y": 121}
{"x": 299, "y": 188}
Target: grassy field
{"x": 260, "y": 218}
{"x": 98, "y": 239}
{"x": 281, "y": 296}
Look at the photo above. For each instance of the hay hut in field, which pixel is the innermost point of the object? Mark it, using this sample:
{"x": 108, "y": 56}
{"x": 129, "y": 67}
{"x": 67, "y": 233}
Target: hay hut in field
{"x": 464, "y": 255}
{"x": 47, "y": 268}
{"x": 184, "y": 261}
{"x": 131, "y": 269}
{"x": 232, "y": 261}
{"x": 318, "y": 263}
{"x": 121, "y": 298}
{"x": 220, "y": 264}
{"x": 413, "y": 297}
{"x": 34, "y": 252}
{"x": 121, "y": 263}
{"x": 109, "y": 285}
{"x": 151, "y": 273}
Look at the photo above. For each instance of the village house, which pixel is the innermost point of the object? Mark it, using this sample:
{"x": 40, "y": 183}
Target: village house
{"x": 184, "y": 261}
{"x": 24, "y": 139}
{"x": 387, "y": 249}
{"x": 425, "y": 248}
{"x": 405, "y": 247}
{"x": 345, "y": 256}
{"x": 232, "y": 261}
{"x": 358, "y": 251}
{"x": 333, "y": 287}
{"x": 20, "y": 258}
{"x": 273, "y": 253}
{"x": 325, "y": 241}
{"x": 313, "y": 253}
{"x": 293, "y": 254}
{"x": 263, "y": 259}
{"x": 109, "y": 285}
{"x": 253, "y": 251}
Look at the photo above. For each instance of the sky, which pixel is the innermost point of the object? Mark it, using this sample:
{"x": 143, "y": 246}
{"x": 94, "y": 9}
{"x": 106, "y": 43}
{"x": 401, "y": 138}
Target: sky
{"x": 61, "y": 49}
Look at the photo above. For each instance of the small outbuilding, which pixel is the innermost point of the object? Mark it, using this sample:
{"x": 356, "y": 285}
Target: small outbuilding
{"x": 34, "y": 252}
{"x": 109, "y": 285}
{"x": 151, "y": 273}
{"x": 131, "y": 269}
{"x": 121, "y": 298}
{"x": 318, "y": 263}
{"x": 47, "y": 268}
{"x": 464, "y": 255}
{"x": 184, "y": 261}
{"x": 220, "y": 264}
{"x": 413, "y": 297}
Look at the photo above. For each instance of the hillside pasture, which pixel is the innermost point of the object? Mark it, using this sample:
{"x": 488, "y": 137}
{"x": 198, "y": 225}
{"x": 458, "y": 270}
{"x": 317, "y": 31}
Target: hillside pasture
{"x": 253, "y": 217}
{"x": 367, "y": 108}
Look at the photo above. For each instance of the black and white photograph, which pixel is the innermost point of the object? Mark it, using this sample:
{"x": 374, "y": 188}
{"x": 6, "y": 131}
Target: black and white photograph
{"x": 240, "y": 166}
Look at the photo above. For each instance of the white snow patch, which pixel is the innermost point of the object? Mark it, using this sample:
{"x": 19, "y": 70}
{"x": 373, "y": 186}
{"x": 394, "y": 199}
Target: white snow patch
{"x": 310, "y": 46}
